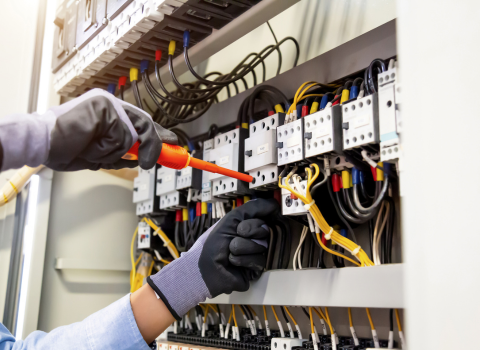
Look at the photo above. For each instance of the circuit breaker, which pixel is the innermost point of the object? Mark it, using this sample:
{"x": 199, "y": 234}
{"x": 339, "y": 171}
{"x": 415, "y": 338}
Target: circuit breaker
{"x": 173, "y": 200}
{"x": 189, "y": 177}
{"x": 360, "y": 122}
{"x": 290, "y": 142}
{"x": 293, "y": 206}
{"x": 166, "y": 180}
{"x": 261, "y": 153}
{"x": 144, "y": 236}
{"x": 323, "y": 132}
{"x": 228, "y": 153}
{"x": 206, "y": 183}
{"x": 91, "y": 19}
{"x": 390, "y": 123}
{"x": 144, "y": 192}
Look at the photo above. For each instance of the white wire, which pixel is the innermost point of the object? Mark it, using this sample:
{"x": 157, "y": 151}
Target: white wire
{"x": 368, "y": 159}
{"x": 296, "y": 256}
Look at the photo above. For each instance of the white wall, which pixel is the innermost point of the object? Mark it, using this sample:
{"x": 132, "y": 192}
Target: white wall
{"x": 18, "y": 21}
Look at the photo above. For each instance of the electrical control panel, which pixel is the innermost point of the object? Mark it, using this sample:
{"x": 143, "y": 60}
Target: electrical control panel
{"x": 64, "y": 34}
{"x": 261, "y": 153}
{"x": 323, "y": 132}
{"x": 227, "y": 153}
{"x": 206, "y": 183}
{"x": 290, "y": 142}
{"x": 360, "y": 122}
{"x": 388, "y": 92}
{"x": 166, "y": 180}
{"x": 144, "y": 192}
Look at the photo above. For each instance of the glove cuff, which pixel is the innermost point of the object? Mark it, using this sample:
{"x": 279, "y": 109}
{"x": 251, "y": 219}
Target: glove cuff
{"x": 180, "y": 284}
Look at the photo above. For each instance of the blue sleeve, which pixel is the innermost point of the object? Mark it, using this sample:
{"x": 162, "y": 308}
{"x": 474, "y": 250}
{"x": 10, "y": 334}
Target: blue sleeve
{"x": 113, "y": 327}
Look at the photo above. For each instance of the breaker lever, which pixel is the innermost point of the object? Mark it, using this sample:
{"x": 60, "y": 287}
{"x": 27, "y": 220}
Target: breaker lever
{"x": 177, "y": 157}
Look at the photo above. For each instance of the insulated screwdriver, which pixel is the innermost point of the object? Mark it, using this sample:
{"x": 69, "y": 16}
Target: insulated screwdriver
{"x": 177, "y": 157}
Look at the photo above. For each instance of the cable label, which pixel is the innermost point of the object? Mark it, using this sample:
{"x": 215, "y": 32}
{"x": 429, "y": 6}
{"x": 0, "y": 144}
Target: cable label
{"x": 324, "y": 327}
{"x": 203, "y": 330}
{"x": 175, "y": 327}
{"x": 334, "y": 342}
{"x": 402, "y": 339}
{"x": 294, "y": 141}
{"x": 375, "y": 338}
{"x": 267, "y": 328}
{"x": 259, "y": 323}
{"x": 354, "y": 335}
{"x": 227, "y": 330}
{"x": 280, "y": 328}
{"x": 292, "y": 334}
{"x": 222, "y": 334}
{"x": 168, "y": 178}
{"x": 298, "y": 331}
{"x": 223, "y": 160}
{"x": 390, "y": 339}
{"x": 315, "y": 343}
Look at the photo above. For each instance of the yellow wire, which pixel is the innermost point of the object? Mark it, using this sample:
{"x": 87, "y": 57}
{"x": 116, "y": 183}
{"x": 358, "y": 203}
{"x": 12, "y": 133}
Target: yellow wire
{"x": 320, "y": 317}
{"x": 151, "y": 268}
{"x": 311, "y": 319}
{"x": 328, "y": 320}
{"x": 243, "y": 313}
{"x": 350, "y": 317}
{"x": 289, "y": 314}
{"x": 344, "y": 242}
{"x": 265, "y": 312}
{"x": 399, "y": 325}
{"x": 157, "y": 230}
{"x": 203, "y": 307}
{"x": 275, "y": 313}
{"x": 133, "y": 273}
{"x": 234, "y": 317}
{"x": 214, "y": 308}
{"x": 132, "y": 259}
{"x": 230, "y": 318}
{"x": 206, "y": 314}
{"x": 370, "y": 319}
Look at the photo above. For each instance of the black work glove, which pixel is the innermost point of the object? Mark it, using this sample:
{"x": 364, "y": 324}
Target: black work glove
{"x": 224, "y": 259}
{"x": 96, "y": 129}
{"x": 230, "y": 258}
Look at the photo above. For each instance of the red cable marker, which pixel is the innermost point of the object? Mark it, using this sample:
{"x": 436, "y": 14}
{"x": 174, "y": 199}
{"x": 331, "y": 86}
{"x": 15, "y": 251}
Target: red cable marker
{"x": 177, "y": 157}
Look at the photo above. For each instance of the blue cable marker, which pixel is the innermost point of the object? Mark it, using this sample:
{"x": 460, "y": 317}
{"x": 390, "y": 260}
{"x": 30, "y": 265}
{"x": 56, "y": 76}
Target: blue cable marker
{"x": 186, "y": 38}
{"x": 144, "y": 66}
{"x": 111, "y": 88}
{"x": 324, "y": 101}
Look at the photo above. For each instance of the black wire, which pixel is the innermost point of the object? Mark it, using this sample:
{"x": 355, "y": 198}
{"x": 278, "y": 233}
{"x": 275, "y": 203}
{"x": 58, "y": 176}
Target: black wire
{"x": 391, "y": 320}
{"x": 330, "y": 192}
{"x": 136, "y": 94}
{"x": 122, "y": 90}
{"x": 148, "y": 106}
{"x": 278, "y": 49}
{"x": 284, "y": 314}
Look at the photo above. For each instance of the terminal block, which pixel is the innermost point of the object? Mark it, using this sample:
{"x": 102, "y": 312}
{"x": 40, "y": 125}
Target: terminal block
{"x": 286, "y": 343}
{"x": 293, "y": 206}
{"x": 189, "y": 177}
{"x": 228, "y": 153}
{"x": 390, "y": 124}
{"x": 166, "y": 180}
{"x": 339, "y": 163}
{"x": 290, "y": 142}
{"x": 323, "y": 132}
{"x": 360, "y": 122}
{"x": 206, "y": 183}
{"x": 144, "y": 192}
{"x": 173, "y": 200}
{"x": 260, "y": 151}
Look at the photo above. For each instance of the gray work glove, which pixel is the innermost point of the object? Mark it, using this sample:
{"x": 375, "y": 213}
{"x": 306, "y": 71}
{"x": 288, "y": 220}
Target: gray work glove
{"x": 92, "y": 132}
{"x": 224, "y": 259}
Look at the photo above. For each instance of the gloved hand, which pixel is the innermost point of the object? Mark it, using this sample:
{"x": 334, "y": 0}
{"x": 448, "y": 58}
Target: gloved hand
{"x": 224, "y": 259}
{"x": 92, "y": 131}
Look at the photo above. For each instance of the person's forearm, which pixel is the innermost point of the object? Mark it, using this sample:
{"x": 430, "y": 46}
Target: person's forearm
{"x": 25, "y": 139}
{"x": 151, "y": 314}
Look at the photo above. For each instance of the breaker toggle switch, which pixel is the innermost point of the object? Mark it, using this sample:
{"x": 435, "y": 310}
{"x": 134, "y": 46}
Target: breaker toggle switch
{"x": 345, "y": 125}
{"x": 279, "y": 144}
{"x": 308, "y": 135}
{"x": 249, "y": 153}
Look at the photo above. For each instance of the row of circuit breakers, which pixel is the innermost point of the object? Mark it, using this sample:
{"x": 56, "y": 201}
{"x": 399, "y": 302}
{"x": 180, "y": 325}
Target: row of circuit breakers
{"x": 269, "y": 144}
{"x": 97, "y": 41}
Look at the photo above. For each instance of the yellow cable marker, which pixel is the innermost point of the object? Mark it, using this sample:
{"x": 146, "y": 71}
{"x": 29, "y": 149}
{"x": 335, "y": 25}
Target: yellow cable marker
{"x": 314, "y": 107}
{"x": 133, "y": 74}
{"x": 185, "y": 214}
{"x": 244, "y": 125}
{"x": 380, "y": 172}
{"x": 346, "y": 179}
{"x": 345, "y": 95}
{"x": 171, "y": 47}
{"x": 279, "y": 108}
{"x": 204, "y": 208}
